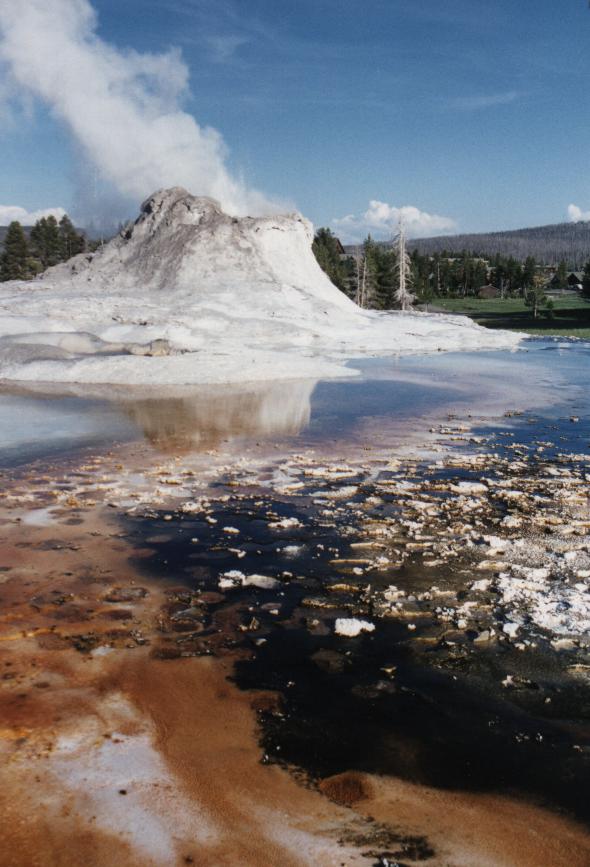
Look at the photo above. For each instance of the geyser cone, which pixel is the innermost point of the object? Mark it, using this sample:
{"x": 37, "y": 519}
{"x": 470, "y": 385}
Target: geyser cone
{"x": 224, "y": 298}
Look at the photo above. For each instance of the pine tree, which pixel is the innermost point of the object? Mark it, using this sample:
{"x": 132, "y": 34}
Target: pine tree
{"x": 480, "y": 275}
{"x": 562, "y": 275}
{"x": 53, "y": 246}
{"x": 384, "y": 278}
{"x": 47, "y": 241}
{"x": 514, "y": 274}
{"x": 39, "y": 241}
{"x": 529, "y": 272}
{"x": 445, "y": 275}
{"x": 36, "y": 240}
{"x": 349, "y": 269}
{"x": 14, "y": 262}
{"x": 499, "y": 275}
{"x": 327, "y": 251}
{"x": 370, "y": 255}
{"x": 71, "y": 242}
{"x": 423, "y": 276}
{"x": 586, "y": 281}
{"x": 466, "y": 267}
{"x": 535, "y": 295}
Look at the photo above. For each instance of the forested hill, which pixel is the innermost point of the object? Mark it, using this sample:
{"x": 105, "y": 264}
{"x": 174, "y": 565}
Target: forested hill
{"x": 548, "y": 244}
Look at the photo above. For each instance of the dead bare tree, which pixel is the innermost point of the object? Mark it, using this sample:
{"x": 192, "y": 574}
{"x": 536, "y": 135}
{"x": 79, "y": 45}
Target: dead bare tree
{"x": 403, "y": 296}
{"x": 361, "y": 294}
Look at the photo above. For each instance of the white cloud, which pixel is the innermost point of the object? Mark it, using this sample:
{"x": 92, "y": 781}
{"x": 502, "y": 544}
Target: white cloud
{"x": 577, "y": 215}
{"x": 473, "y": 103}
{"x": 11, "y": 213}
{"x": 123, "y": 108}
{"x": 381, "y": 221}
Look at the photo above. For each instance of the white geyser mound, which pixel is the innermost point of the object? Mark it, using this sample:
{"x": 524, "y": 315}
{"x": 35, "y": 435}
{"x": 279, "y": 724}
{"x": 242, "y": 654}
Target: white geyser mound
{"x": 191, "y": 294}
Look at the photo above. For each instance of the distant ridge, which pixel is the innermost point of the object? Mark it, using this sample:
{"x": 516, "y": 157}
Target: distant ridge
{"x": 548, "y": 244}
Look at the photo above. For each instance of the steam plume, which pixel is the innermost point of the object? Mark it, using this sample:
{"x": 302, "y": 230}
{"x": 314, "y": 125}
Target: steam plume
{"x": 123, "y": 108}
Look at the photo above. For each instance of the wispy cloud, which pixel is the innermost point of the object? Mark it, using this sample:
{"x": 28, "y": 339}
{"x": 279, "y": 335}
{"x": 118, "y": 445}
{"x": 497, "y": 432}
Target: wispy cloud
{"x": 381, "y": 220}
{"x": 212, "y": 17}
{"x": 223, "y": 48}
{"x": 577, "y": 215}
{"x": 482, "y": 101}
{"x": 227, "y": 26}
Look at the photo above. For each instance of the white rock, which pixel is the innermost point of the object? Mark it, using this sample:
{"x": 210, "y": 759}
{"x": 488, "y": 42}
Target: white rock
{"x": 292, "y": 550}
{"x": 235, "y": 578}
{"x": 285, "y": 524}
{"x": 351, "y": 627}
{"x": 469, "y": 488}
{"x": 482, "y": 585}
{"x": 392, "y": 594}
{"x": 496, "y": 542}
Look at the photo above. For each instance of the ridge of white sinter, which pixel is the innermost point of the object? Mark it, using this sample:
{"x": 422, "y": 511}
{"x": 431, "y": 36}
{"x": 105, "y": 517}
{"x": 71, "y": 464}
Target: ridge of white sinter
{"x": 190, "y": 294}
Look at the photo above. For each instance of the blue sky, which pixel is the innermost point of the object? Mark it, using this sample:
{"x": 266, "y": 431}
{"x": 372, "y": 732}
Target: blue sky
{"x": 469, "y": 109}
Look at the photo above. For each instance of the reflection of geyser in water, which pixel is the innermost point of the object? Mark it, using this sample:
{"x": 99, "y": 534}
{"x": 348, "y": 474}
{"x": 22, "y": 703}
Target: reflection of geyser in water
{"x": 187, "y": 418}
{"x": 201, "y": 419}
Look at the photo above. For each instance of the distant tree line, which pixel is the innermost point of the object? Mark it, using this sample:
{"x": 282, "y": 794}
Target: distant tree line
{"x": 47, "y": 244}
{"x": 369, "y": 274}
{"x": 547, "y": 244}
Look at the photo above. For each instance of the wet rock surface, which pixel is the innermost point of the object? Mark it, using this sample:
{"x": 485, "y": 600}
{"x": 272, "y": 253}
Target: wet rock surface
{"x": 424, "y": 619}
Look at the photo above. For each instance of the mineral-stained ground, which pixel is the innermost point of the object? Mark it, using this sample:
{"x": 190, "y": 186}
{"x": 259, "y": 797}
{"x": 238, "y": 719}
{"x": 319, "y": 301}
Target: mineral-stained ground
{"x": 331, "y": 655}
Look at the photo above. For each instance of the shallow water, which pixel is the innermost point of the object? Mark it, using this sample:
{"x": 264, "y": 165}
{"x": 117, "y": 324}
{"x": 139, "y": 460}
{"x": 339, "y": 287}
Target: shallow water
{"x": 39, "y": 421}
{"x": 40, "y": 426}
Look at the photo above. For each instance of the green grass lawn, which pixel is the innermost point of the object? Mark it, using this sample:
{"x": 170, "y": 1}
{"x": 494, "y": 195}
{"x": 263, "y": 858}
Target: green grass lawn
{"x": 571, "y": 315}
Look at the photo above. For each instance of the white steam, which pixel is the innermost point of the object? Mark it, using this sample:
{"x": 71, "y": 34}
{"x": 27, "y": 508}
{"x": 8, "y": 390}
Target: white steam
{"x": 123, "y": 108}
